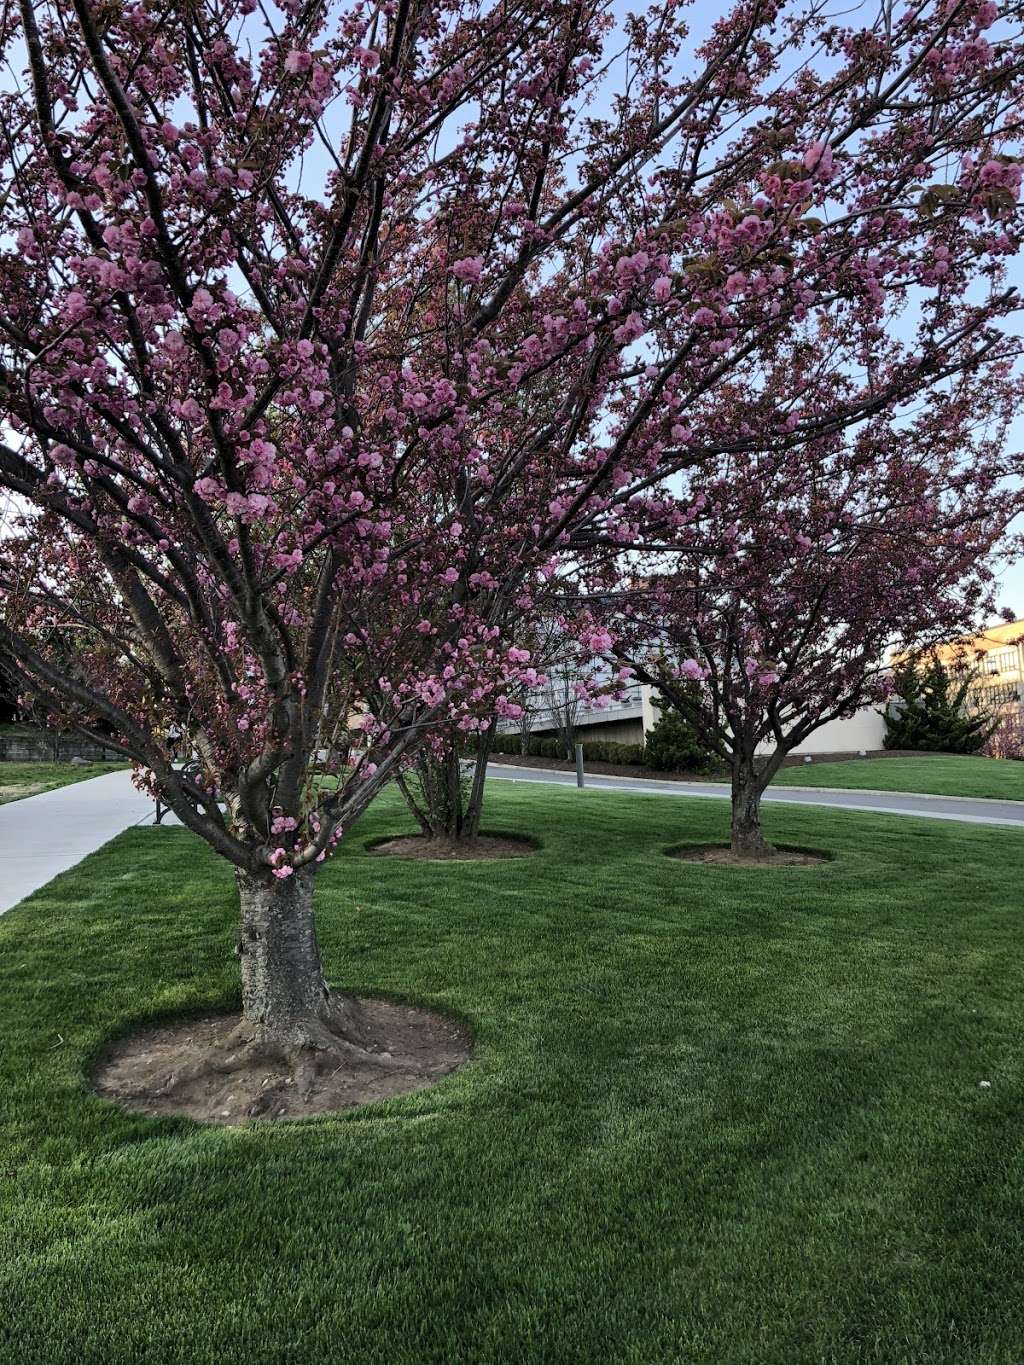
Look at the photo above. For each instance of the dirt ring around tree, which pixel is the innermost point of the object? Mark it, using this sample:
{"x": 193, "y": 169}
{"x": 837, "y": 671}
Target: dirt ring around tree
{"x": 190, "y": 1068}
{"x": 721, "y": 855}
{"x": 483, "y": 848}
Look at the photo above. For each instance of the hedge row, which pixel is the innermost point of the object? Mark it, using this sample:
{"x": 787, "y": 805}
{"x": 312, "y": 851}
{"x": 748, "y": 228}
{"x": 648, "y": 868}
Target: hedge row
{"x": 594, "y": 750}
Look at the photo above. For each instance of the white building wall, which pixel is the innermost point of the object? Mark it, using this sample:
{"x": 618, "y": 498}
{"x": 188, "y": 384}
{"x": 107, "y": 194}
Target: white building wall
{"x": 628, "y": 720}
{"x": 864, "y": 730}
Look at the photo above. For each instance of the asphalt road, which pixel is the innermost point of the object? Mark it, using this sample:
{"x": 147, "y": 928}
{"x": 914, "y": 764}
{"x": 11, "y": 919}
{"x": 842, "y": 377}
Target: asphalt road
{"x": 969, "y": 809}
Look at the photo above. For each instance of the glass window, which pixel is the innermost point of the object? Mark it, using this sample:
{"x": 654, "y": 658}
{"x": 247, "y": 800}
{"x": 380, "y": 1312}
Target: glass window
{"x": 1000, "y": 661}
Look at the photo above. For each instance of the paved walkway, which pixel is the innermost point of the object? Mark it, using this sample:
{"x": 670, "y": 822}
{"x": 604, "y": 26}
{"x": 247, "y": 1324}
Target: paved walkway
{"x": 965, "y": 808}
{"x": 41, "y": 836}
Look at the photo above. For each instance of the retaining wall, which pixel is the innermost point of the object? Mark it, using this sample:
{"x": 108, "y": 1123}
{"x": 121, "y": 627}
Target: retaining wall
{"x": 51, "y": 747}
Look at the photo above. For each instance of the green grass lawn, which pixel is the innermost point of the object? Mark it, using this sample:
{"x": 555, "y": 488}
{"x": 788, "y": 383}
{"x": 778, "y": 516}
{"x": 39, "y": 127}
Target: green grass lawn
{"x": 939, "y": 774}
{"x": 18, "y": 780}
{"x": 714, "y": 1115}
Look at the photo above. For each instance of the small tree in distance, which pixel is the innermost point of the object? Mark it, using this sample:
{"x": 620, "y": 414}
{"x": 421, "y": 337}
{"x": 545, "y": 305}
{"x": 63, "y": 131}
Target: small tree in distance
{"x": 444, "y": 788}
{"x": 1007, "y": 737}
{"x": 790, "y": 581}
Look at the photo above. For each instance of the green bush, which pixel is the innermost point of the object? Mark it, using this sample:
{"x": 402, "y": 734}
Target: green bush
{"x": 537, "y": 747}
{"x": 594, "y": 750}
{"x": 608, "y": 751}
{"x": 506, "y": 744}
{"x": 674, "y": 746}
{"x": 934, "y": 717}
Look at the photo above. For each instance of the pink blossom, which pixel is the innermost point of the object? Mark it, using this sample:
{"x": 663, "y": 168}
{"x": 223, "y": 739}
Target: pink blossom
{"x": 691, "y": 670}
{"x": 431, "y": 691}
{"x": 75, "y": 305}
{"x": 630, "y": 330}
{"x": 818, "y": 158}
{"x": 469, "y": 270}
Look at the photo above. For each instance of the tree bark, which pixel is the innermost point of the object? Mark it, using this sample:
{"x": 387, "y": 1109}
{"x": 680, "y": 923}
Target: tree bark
{"x": 286, "y": 1003}
{"x": 475, "y": 801}
{"x": 452, "y": 828}
{"x": 525, "y": 730}
{"x": 747, "y": 788}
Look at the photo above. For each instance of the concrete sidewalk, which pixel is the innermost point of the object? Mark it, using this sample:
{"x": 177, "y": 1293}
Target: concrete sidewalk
{"x": 41, "y": 836}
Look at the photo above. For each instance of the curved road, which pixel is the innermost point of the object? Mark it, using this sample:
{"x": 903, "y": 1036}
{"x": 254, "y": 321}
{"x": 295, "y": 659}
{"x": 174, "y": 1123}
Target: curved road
{"x": 966, "y": 808}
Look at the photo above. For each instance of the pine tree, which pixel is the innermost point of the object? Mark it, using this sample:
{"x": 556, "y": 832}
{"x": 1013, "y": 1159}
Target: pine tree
{"x": 674, "y": 745}
{"x": 934, "y": 715}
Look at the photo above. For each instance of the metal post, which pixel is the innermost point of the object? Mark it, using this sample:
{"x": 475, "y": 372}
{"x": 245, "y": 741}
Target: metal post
{"x": 579, "y": 765}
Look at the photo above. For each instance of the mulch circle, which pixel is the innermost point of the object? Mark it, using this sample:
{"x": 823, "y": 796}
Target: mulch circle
{"x": 485, "y": 846}
{"x": 149, "y": 1071}
{"x": 721, "y": 855}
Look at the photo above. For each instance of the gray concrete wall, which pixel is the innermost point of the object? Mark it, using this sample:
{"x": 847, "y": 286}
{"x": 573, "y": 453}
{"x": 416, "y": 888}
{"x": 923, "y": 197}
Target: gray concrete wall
{"x": 51, "y": 747}
{"x": 613, "y": 731}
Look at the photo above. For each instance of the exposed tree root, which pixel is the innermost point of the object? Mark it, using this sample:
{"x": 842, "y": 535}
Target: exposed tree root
{"x": 226, "y": 1071}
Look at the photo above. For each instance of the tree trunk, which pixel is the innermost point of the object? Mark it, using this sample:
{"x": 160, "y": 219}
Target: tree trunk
{"x": 525, "y": 731}
{"x": 747, "y": 788}
{"x": 475, "y": 801}
{"x": 452, "y": 829}
{"x": 286, "y": 1002}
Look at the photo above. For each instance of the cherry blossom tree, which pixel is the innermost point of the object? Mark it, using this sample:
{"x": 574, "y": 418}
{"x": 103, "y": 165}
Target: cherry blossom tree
{"x": 328, "y": 330}
{"x": 444, "y": 788}
{"x": 796, "y": 574}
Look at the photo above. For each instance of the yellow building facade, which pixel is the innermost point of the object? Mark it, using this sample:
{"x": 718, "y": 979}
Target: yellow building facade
{"x": 996, "y": 656}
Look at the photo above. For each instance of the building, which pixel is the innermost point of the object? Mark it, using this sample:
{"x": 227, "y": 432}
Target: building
{"x": 996, "y": 656}
{"x": 630, "y": 720}
{"x": 623, "y": 721}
